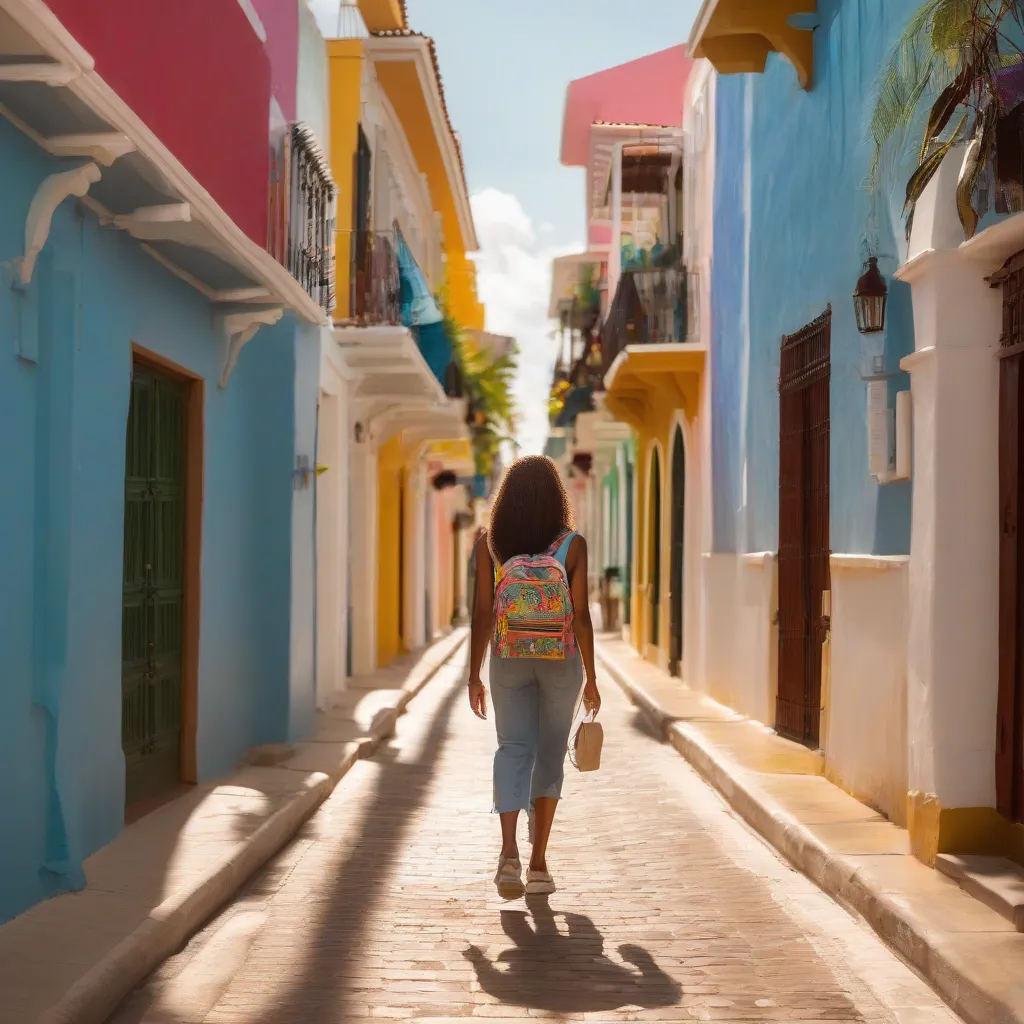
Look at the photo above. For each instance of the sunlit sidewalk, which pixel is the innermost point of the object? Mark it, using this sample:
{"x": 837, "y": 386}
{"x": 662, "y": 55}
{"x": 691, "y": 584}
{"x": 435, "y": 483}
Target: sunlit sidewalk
{"x": 72, "y": 958}
{"x": 971, "y": 954}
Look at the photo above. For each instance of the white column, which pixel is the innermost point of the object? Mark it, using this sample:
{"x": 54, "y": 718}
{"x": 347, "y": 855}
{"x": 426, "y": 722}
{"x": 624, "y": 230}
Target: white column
{"x": 615, "y": 256}
{"x": 952, "y": 650}
{"x": 363, "y": 557}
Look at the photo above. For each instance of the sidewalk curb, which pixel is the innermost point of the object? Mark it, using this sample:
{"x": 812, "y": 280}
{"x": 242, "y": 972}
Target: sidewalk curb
{"x": 832, "y": 872}
{"x": 99, "y": 992}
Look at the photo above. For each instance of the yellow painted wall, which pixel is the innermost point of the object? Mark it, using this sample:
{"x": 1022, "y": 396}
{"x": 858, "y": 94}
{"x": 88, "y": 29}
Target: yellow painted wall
{"x": 659, "y": 429}
{"x": 345, "y": 59}
{"x": 462, "y": 295}
{"x": 389, "y": 568}
{"x": 382, "y": 15}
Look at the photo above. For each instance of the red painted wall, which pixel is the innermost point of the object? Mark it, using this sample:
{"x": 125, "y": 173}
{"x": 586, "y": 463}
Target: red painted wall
{"x": 198, "y": 75}
{"x": 281, "y": 20}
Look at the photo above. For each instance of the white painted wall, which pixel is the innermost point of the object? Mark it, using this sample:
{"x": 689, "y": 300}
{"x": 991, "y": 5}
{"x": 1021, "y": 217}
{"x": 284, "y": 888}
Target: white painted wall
{"x": 865, "y": 739}
{"x": 312, "y": 90}
{"x": 332, "y": 524}
{"x": 363, "y": 555}
{"x": 952, "y": 656}
{"x": 741, "y": 652}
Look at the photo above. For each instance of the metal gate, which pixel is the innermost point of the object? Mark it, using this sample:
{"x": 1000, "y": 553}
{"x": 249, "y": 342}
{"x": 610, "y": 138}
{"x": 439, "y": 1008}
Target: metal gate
{"x": 1010, "y": 708}
{"x": 676, "y": 574}
{"x": 153, "y": 585}
{"x": 803, "y": 526}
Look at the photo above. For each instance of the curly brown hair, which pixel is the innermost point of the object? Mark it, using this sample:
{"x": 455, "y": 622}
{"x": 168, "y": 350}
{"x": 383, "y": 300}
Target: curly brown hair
{"x": 531, "y": 509}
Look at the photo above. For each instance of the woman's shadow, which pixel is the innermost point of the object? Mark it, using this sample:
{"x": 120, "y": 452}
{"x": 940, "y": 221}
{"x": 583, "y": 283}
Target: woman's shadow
{"x": 568, "y": 972}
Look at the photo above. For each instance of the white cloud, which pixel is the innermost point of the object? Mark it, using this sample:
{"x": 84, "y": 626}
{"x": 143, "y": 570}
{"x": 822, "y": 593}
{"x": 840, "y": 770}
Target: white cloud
{"x": 514, "y": 283}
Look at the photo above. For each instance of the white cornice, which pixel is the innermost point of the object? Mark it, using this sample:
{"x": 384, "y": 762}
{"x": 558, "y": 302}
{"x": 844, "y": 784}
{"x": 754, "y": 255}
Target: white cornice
{"x": 417, "y": 49}
{"x": 700, "y": 25}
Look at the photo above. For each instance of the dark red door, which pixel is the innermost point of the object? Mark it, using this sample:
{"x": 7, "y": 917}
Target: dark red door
{"x": 1010, "y": 710}
{"x": 804, "y": 549}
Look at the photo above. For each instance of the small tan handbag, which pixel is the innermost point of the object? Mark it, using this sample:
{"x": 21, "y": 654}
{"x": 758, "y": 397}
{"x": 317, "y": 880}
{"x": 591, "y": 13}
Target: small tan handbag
{"x": 585, "y": 751}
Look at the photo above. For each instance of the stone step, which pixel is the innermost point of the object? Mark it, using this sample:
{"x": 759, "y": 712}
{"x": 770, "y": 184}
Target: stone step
{"x": 994, "y": 881}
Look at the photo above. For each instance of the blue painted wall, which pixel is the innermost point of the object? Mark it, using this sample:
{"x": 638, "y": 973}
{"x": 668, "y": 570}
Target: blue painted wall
{"x": 62, "y": 441}
{"x": 793, "y": 221}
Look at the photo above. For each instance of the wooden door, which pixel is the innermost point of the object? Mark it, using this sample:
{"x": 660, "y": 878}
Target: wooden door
{"x": 1010, "y": 708}
{"x": 654, "y": 573}
{"x": 153, "y": 585}
{"x": 676, "y": 575}
{"x": 803, "y": 526}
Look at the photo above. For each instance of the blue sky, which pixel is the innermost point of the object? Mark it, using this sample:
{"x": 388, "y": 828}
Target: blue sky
{"x": 506, "y": 67}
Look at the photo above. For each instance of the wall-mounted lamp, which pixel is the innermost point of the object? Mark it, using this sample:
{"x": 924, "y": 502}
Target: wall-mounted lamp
{"x": 870, "y": 298}
{"x": 360, "y": 433}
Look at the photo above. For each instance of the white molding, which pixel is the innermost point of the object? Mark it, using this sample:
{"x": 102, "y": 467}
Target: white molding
{"x": 179, "y": 272}
{"x": 140, "y": 222}
{"x": 103, "y": 147}
{"x": 239, "y": 329}
{"x": 38, "y": 20}
{"x": 243, "y": 295}
{"x": 873, "y": 562}
{"x": 52, "y": 191}
{"x": 46, "y": 73}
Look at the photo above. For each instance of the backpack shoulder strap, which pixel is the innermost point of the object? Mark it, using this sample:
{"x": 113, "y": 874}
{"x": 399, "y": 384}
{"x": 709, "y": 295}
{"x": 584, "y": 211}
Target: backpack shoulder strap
{"x": 561, "y": 551}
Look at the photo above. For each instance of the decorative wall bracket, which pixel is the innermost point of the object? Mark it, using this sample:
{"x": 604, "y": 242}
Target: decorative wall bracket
{"x": 239, "y": 329}
{"x": 51, "y": 193}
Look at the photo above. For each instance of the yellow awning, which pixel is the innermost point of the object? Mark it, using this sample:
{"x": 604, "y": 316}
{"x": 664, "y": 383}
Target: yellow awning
{"x": 737, "y": 35}
{"x": 645, "y": 380}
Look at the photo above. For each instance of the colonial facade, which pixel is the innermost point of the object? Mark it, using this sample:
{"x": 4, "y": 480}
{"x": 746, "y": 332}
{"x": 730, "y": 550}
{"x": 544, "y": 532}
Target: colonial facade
{"x": 392, "y": 413}
{"x": 159, "y": 381}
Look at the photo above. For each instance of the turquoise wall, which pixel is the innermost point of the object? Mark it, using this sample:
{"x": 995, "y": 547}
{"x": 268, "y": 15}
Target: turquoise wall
{"x": 792, "y": 223}
{"x": 62, "y": 441}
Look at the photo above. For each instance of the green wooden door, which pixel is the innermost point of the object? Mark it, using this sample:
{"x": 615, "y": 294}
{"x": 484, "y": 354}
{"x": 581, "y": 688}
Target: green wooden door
{"x": 151, "y": 626}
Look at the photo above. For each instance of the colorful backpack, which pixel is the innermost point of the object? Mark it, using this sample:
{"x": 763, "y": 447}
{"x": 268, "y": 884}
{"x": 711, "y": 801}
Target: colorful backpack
{"x": 533, "y": 605}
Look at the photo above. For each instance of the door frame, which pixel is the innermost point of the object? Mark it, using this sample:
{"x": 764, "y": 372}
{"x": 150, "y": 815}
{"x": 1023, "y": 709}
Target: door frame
{"x": 655, "y": 496}
{"x": 677, "y": 556}
{"x": 193, "y": 453}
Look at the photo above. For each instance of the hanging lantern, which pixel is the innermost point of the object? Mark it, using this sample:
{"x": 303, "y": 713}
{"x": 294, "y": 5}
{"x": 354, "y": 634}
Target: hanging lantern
{"x": 869, "y": 299}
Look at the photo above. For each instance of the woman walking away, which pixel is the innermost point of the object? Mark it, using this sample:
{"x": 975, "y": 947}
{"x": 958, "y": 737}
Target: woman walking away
{"x": 532, "y": 608}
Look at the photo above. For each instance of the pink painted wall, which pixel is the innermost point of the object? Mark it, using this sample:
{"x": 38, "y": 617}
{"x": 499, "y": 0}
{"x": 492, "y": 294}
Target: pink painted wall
{"x": 649, "y": 90}
{"x": 198, "y": 75}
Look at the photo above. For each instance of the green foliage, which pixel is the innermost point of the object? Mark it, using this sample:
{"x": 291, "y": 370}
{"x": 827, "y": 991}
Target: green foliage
{"x": 952, "y": 50}
{"x": 488, "y": 383}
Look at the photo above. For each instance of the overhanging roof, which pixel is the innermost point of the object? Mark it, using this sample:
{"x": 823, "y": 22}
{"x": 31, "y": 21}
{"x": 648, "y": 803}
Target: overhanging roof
{"x": 126, "y": 175}
{"x": 644, "y": 378}
{"x": 649, "y": 90}
{"x": 406, "y": 65}
{"x": 736, "y": 36}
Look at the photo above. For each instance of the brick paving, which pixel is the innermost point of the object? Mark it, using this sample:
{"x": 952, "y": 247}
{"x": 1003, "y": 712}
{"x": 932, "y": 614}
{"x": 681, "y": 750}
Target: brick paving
{"x": 668, "y": 909}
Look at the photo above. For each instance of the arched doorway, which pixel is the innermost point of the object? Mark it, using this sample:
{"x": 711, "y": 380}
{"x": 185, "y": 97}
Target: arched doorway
{"x": 654, "y": 547}
{"x": 676, "y": 576}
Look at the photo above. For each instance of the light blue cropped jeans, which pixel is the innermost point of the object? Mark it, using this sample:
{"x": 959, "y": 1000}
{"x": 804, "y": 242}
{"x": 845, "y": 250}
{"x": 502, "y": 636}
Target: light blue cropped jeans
{"x": 534, "y": 704}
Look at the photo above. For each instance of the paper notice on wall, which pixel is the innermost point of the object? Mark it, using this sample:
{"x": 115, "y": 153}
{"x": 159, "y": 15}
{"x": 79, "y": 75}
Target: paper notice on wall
{"x": 879, "y": 431}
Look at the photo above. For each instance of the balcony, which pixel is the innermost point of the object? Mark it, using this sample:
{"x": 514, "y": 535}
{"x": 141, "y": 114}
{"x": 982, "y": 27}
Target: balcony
{"x": 300, "y": 231}
{"x": 652, "y": 306}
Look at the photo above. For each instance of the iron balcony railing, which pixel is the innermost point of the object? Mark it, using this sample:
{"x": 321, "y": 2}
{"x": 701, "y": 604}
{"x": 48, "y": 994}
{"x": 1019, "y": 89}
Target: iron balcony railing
{"x": 375, "y": 287}
{"x": 300, "y": 232}
{"x": 651, "y": 307}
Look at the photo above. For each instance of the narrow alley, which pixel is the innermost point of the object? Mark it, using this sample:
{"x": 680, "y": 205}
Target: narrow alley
{"x": 669, "y": 908}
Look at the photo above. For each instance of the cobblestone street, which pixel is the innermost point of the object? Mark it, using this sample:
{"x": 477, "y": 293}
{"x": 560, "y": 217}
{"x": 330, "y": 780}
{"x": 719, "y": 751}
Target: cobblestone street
{"x": 668, "y": 909}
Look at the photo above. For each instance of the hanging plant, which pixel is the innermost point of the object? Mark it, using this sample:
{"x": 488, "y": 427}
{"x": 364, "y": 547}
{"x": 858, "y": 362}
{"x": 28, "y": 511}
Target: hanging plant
{"x": 960, "y": 51}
